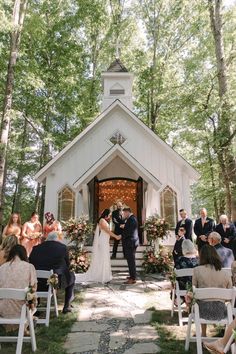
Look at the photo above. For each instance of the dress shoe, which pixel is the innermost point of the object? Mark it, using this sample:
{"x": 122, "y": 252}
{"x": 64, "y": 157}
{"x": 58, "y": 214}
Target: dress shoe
{"x": 214, "y": 347}
{"x": 66, "y": 310}
{"x": 130, "y": 281}
{"x": 113, "y": 256}
{"x": 128, "y": 278}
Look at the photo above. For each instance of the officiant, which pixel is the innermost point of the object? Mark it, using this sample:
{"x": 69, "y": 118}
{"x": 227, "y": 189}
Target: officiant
{"x": 117, "y": 219}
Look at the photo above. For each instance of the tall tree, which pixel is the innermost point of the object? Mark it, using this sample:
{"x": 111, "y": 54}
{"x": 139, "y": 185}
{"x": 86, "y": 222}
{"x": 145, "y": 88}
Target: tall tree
{"x": 18, "y": 16}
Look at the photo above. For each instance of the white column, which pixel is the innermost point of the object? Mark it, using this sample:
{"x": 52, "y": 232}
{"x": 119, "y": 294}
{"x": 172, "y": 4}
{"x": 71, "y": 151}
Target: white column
{"x": 85, "y": 195}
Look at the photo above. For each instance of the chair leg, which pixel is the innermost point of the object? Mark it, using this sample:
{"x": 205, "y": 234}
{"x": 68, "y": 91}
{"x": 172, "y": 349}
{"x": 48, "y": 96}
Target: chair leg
{"x": 188, "y": 334}
{"x": 21, "y": 331}
{"x": 173, "y": 302}
{"x": 198, "y": 337}
{"x": 32, "y": 332}
{"x": 179, "y": 310}
{"x": 48, "y": 311}
{"x": 229, "y": 344}
{"x": 55, "y": 302}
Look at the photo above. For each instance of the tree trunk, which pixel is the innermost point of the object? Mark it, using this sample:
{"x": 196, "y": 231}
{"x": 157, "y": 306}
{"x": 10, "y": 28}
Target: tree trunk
{"x": 223, "y": 143}
{"x": 17, "y": 21}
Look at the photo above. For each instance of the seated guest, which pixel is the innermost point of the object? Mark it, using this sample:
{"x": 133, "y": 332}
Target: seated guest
{"x": 227, "y": 232}
{"x": 16, "y": 273}
{"x": 217, "y": 347}
{"x": 177, "y": 251}
{"x": 186, "y": 223}
{"x": 226, "y": 255}
{"x": 209, "y": 274}
{"x": 52, "y": 254}
{"x": 188, "y": 260}
{"x": 202, "y": 228}
{"x": 6, "y": 246}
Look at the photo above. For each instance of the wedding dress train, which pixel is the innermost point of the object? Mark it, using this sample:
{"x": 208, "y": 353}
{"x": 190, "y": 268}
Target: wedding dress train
{"x": 100, "y": 266}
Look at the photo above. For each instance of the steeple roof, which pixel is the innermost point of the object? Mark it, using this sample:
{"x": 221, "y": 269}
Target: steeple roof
{"x": 117, "y": 66}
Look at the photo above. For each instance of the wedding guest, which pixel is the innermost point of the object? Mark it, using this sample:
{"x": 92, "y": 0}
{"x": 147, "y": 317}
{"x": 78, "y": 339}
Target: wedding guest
{"x": 209, "y": 274}
{"x": 227, "y": 232}
{"x": 13, "y": 227}
{"x": 117, "y": 219}
{"x": 186, "y": 223}
{"x": 6, "y": 246}
{"x": 202, "y": 228}
{"x": 217, "y": 347}
{"x": 50, "y": 225}
{"x": 188, "y": 260}
{"x": 52, "y": 254}
{"x": 16, "y": 273}
{"x": 31, "y": 233}
{"x": 177, "y": 251}
{"x": 226, "y": 255}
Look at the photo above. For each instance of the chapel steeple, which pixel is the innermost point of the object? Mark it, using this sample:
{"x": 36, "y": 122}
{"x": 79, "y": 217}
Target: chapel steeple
{"x": 117, "y": 84}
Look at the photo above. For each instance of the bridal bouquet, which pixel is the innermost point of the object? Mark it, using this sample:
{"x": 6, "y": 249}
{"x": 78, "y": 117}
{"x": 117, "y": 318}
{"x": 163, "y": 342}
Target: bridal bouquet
{"x": 156, "y": 228}
{"x": 78, "y": 230}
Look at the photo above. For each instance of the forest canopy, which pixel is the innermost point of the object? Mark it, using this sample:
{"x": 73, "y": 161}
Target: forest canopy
{"x": 182, "y": 54}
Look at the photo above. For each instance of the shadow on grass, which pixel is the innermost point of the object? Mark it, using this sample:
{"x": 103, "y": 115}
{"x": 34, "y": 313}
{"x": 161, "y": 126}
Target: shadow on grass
{"x": 171, "y": 336}
{"x": 50, "y": 339}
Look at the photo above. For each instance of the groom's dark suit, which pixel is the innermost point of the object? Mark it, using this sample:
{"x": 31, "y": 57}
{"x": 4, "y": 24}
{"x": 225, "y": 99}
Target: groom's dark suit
{"x": 130, "y": 242}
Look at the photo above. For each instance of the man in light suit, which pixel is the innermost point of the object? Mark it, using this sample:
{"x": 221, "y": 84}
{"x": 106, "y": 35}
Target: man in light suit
{"x": 186, "y": 223}
{"x": 226, "y": 255}
{"x": 130, "y": 242}
{"x": 202, "y": 228}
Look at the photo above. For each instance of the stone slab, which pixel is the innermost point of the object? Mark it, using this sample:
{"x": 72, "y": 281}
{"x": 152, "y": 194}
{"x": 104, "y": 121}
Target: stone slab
{"x": 141, "y": 348}
{"x": 84, "y": 315}
{"x": 143, "y": 333}
{"x": 79, "y": 342}
{"x": 89, "y": 326}
{"x": 142, "y": 317}
{"x": 117, "y": 339}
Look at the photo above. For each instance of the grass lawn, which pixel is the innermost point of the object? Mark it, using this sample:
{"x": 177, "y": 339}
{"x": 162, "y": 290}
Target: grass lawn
{"x": 50, "y": 339}
{"x": 171, "y": 336}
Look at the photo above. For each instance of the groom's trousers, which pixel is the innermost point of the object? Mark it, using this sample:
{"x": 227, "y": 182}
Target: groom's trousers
{"x": 129, "y": 253}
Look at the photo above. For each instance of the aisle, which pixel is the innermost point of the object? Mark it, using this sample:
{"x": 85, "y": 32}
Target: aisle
{"x": 115, "y": 318}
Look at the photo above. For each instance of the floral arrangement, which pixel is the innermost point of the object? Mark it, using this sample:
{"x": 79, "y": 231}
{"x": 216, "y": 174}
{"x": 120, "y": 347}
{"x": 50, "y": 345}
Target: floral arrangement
{"x": 53, "y": 281}
{"x": 31, "y": 297}
{"x": 156, "y": 228}
{"x": 157, "y": 262}
{"x": 78, "y": 230}
{"x": 79, "y": 260}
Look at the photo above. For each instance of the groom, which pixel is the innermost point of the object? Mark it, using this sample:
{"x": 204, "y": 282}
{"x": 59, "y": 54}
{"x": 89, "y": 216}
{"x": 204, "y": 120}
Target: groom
{"x": 130, "y": 242}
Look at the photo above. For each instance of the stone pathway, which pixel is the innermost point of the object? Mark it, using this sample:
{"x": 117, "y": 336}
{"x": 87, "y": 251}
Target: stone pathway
{"x": 115, "y": 319}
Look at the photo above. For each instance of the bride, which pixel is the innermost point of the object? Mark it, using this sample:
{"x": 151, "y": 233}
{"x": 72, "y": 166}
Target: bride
{"x": 100, "y": 267}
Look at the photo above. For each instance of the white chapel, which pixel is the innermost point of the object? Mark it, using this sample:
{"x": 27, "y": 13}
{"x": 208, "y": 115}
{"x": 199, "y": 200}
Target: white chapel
{"x": 117, "y": 157}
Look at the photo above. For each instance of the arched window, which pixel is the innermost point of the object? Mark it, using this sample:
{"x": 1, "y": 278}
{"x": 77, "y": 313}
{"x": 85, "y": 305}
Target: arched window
{"x": 66, "y": 204}
{"x": 169, "y": 210}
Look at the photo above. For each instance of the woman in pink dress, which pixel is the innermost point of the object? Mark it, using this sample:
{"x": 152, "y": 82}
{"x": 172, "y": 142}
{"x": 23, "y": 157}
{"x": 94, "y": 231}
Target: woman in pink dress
{"x": 51, "y": 225}
{"x": 31, "y": 233}
{"x": 13, "y": 227}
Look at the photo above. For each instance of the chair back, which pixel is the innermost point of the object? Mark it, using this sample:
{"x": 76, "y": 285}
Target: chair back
{"x": 13, "y": 294}
{"x": 187, "y": 272}
{"x": 214, "y": 294}
{"x": 44, "y": 274}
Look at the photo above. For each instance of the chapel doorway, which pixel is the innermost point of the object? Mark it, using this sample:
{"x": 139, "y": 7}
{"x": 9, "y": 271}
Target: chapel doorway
{"x": 107, "y": 192}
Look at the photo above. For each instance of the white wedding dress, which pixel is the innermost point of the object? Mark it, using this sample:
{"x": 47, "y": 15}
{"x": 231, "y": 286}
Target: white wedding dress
{"x": 100, "y": 266}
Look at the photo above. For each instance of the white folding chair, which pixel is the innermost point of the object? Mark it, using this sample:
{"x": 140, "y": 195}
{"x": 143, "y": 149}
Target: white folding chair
{"x": 188, "y": 272}
{"x": 51, "y": 293}
{"x": 25, "y": 317}
{"x": 209, "y": 294}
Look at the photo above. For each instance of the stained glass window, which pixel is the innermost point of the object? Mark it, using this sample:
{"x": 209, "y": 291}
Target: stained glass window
{"x": 169, "y": 209}
{"x": 66, "y": 204}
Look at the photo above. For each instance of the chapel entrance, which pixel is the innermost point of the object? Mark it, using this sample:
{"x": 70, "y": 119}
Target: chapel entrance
{"x": 130, "y": 192}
